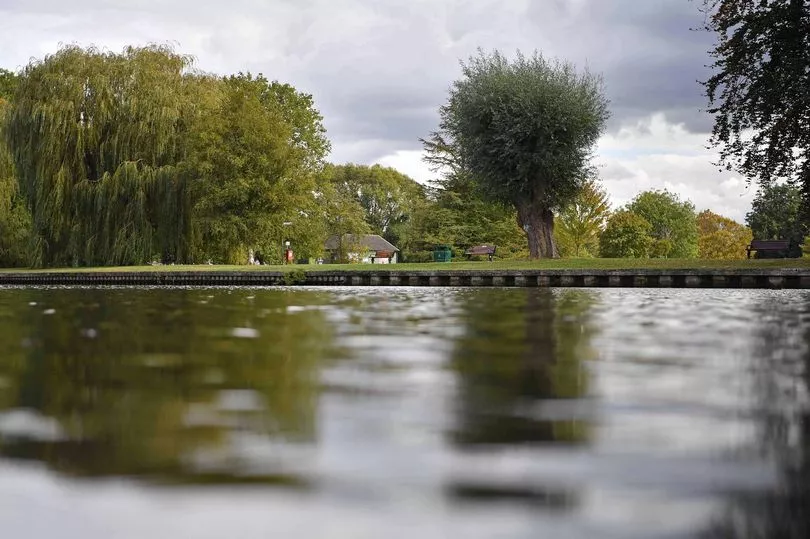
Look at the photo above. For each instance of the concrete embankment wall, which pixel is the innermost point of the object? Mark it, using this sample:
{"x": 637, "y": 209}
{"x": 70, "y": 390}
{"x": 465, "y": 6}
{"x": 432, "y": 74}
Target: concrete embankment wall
{"x": 694, "y": 278}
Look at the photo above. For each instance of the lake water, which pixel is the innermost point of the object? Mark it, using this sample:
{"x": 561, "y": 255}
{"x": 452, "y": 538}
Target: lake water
{"x": 404, "y": 412}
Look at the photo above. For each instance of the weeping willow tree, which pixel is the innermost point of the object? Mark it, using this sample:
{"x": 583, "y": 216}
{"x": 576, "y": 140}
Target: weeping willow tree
{"x": 97, "y": 139}
{"x": 15, "y": 220}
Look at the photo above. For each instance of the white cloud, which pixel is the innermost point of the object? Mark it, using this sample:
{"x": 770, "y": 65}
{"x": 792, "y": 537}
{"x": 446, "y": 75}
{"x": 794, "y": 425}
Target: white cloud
{"x": 409, "y": 162}
{"x": 655, "y": 154}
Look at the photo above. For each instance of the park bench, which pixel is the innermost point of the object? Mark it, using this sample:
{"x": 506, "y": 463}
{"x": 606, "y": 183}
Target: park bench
{"x": 481, "y": 250}
{"x": 769, "y": 245}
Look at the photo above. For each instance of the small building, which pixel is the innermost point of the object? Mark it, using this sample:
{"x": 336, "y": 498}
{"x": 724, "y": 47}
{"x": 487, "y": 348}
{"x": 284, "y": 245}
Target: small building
{"x": 361, "y": 248}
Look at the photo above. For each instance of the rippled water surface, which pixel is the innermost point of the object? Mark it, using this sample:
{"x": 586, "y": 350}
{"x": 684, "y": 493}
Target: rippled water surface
{"x": 403, "y": 412}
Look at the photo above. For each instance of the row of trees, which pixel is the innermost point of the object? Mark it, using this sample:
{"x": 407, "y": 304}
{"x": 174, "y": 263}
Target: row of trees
{"x": 126, "y": 158}
{"x": 659, "y": 224}
{"x": 655, "y": 224}
{"x": 117, "y": 159}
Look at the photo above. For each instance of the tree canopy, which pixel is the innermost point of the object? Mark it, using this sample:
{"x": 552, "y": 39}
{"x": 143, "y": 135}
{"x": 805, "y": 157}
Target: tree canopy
{"x": 387, "y": 196}
{"x": 579, "y": 224}
{"x": 758, "y": 92}
{"x": 96, "y": 143}
{"x": 248, "y": 174}
{"x": 524, "y": 130}
{"x": 627, "y": 235}
{"x": 674, "y": 225}
{"x": 776, "y": 214}
{"x": 8, "y": 84}
{"x": 721, "y": 237}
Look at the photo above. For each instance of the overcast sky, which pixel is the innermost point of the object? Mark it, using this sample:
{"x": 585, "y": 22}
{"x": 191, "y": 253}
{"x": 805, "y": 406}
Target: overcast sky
{"x": 379, "y": 69}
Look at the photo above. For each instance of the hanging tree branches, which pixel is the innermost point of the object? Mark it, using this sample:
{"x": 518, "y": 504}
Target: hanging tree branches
{"x": 96, "y": 140}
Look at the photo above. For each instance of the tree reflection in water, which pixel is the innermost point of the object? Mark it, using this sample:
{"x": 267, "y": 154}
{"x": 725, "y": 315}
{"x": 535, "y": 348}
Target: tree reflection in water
{"x": 166, "y": 384}
{"x": 519, "y": 352}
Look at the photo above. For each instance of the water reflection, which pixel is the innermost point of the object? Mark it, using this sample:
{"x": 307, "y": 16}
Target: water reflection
{"x": 167, "y": 385}
{"x": 517, "y": 354}
{"x": 782, "y": 385}
{"x": 521, "y": 371}
{"x": 407, "y": 411}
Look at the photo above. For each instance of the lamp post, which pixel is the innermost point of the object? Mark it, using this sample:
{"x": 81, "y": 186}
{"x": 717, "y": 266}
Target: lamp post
{"x": 283, "y": 258}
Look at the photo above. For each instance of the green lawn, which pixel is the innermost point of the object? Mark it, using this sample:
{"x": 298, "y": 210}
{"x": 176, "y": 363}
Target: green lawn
{"x": 569, "y": 263}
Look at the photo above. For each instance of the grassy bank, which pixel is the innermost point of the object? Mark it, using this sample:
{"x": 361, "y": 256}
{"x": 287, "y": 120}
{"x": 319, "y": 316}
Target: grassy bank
{"x": 585, "y": 263}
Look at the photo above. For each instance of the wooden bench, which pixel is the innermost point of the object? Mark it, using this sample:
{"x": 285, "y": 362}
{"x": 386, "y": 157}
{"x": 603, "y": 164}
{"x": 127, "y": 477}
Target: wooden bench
{"x": 769, "y": 245}
{"x": 481, "y": 250}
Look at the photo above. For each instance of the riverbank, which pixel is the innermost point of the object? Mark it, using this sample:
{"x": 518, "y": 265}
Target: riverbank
{"x": 792, "y": 274}
{"x": 497, "y": 265}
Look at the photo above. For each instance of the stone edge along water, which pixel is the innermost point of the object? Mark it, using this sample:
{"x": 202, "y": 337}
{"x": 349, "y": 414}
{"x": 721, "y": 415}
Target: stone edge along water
{"x": 788, "y": 278}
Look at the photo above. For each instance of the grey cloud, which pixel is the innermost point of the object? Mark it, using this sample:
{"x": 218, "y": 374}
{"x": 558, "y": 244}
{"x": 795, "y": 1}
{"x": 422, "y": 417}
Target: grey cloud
{"x": 650, "y": 57}
{"x": 380, "y": 70}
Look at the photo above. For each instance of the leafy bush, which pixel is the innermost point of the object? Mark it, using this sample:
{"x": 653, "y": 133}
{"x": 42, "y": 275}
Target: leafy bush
{"x": 295, "y": 276}
{"x": 626, "y": 235}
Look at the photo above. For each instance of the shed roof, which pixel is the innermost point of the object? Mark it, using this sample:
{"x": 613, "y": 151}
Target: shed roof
{"x": 372, "y": 242}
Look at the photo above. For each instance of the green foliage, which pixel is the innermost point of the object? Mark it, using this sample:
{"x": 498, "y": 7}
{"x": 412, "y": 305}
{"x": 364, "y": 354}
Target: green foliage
{"x": 661, "y": 248}
{"x": 523, "y": 131}
{"x": 95, "y": 140}
{"x": 775, "y": 213}
{"x": 578, "y": 225}
{"x": 456, "y": 214}
{"x": 386, "y": 196}
{"x": 806, "y": 247}
{"x": 674, "y": 223}
{"x": 248, "y": 182}
{"x": 15, "y": 219}
{"x": 124, "y": 158}
{"x": 308, "y": 135}
{"x": 758, "y": 92}
{"x": 340, "y": 213}
{"x": 627, "y": 235}
{"x": 8, "y": 84}
{"x": 295, "y": 276}
{"x": 721, "y": 237}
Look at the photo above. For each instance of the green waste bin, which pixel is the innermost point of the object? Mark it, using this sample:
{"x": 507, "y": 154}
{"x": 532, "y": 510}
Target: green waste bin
{"x": 442, "y": 253}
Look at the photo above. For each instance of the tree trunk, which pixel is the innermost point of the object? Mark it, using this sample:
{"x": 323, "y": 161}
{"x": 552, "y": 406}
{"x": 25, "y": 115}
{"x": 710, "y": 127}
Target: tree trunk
{"x": 538, "y": 223}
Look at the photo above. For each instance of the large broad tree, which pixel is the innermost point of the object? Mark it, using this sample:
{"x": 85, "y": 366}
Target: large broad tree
{"x": 524, "y": 131}
{"x": 250, "y": 174}
{"x": 759, "y": 90}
